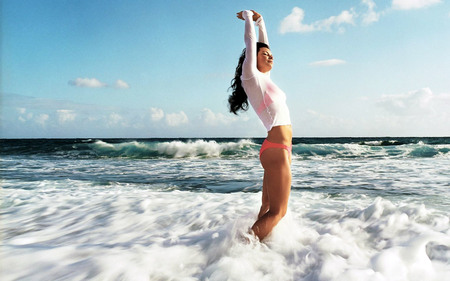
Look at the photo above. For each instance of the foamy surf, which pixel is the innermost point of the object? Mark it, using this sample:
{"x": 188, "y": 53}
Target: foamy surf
{"x": 122, "y": 210}
{"x": 303, "y": 148}
{"x": 127, "y": 234}
{"x": 172, "y": 149}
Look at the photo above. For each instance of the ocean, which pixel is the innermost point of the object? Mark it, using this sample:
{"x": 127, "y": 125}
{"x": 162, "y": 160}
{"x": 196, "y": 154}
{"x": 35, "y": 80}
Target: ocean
{"x": 177, "y": 209}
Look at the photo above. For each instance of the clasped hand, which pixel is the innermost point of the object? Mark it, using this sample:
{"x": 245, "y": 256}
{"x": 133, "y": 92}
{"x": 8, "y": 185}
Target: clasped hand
{"x": 256, "y": 15}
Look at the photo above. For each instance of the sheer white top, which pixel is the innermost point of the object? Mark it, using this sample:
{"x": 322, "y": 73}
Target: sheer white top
{"x": 268, "y": 101}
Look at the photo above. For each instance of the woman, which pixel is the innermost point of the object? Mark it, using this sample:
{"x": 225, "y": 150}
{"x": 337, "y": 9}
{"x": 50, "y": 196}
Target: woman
{"x": 252, "y": 83}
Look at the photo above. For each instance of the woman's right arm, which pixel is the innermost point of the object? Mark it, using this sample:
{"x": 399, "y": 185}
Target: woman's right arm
{"x": 249, "y": 68}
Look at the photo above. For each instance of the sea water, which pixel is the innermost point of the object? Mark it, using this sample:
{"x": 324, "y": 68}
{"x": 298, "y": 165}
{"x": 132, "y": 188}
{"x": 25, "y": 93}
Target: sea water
{"x": 179, "y": 209}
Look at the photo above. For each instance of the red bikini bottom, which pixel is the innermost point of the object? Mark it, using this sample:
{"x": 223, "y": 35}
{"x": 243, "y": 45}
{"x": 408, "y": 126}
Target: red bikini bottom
{"x": 267, "y": 144}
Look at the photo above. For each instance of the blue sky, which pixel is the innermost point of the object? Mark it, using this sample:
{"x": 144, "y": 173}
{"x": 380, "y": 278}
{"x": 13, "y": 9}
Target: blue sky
{"x": 83, "y": 68}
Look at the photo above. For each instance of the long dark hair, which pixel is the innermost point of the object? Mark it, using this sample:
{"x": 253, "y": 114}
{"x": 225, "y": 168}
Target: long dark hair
{"x": 238, "y": 99}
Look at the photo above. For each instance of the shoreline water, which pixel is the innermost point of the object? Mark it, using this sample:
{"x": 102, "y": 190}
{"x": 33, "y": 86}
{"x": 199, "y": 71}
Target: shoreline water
{"x": 151, "y": 209}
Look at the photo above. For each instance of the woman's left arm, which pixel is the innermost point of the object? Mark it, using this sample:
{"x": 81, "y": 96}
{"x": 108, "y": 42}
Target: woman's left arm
{"x": 262, "y": 28}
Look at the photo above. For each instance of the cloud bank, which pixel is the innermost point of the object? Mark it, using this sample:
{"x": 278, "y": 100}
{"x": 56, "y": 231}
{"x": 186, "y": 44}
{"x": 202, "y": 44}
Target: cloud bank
{"x": 87, "y": 83}
{"x": 418, "y": 102}
{"x": 37, "y": 117}
{"x": 416, "y": 113}
{"x": 413, "y": 4}
{"x": 65, "y": 115}
{"x": 370, "y": 15}
{"x": 294, "y": 22}
{"x": 95, "y": 83}
{"x": 176, "y": 119}
{"x": 120, "y": 84}
{"x": 330, "y": 62}
{"x": 156, "y": 114}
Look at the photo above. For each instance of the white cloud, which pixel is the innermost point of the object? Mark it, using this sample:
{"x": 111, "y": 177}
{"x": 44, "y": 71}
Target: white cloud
{"x": 418, "y": 112}
{"x": 21, "y": 110}
{"x": 95, "y": 83}
{"x": 120, "y": 84}
{"x": 176, "y": 119}
{"x": 345, "y": 17}
{"x": 370, "y": 16}
{"x": 114, "y": 119}
{"x": 65, "y": 115}
{"x": 213, "y": 119}
{"x": 156, "y": 113}
{"x": 330, "y": 62}
{"x": 413, "y": 4}
{"x": 24, "y": 114}
{"x": 294, "y": 22}
{"x": 41, "y": 119}
{"x": 87, "y": 83}
{"x": 328, "y": 119}
{"x": 316, "y": 123}
{"x": 419, "y": 102}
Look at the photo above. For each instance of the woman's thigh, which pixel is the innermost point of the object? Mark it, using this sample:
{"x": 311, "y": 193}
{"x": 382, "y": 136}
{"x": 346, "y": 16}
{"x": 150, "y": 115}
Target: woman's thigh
{"x": 277, "y": 176}
{"x": 265, "y": 194}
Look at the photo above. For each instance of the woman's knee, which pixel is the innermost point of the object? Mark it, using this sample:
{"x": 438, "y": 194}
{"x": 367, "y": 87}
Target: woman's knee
{"x": 283, "y": 211}
{"x": 279, "y": 212}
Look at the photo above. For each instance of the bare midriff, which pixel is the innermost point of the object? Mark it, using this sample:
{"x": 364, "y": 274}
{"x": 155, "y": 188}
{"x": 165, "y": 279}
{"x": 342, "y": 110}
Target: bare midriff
{"x": 280, "y": 134}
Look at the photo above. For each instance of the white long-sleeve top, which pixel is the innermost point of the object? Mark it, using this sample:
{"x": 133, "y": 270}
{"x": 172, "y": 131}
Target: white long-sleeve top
{"x": 268, "y": 101}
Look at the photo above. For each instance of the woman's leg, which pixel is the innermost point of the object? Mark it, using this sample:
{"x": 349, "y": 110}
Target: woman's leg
{"x": 277, "y": 177}
{"x": 265, "y": 198}
{"x": 265, "y": 195}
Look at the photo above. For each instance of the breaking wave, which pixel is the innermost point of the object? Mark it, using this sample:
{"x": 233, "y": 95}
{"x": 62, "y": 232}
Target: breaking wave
{"x": 174, "y": 149}
{"x": 303, "y": 148}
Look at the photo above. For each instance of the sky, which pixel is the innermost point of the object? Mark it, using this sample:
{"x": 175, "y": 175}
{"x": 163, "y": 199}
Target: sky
{"x": 143, "y": 69}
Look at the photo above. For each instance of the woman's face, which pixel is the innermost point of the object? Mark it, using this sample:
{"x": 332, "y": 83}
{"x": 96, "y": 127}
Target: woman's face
{"x": 264, "y": 60}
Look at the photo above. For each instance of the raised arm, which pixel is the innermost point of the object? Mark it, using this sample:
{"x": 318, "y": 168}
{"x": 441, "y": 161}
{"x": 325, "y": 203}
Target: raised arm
{"x": 262, "y": 31}
{"x": 249, "y": 68}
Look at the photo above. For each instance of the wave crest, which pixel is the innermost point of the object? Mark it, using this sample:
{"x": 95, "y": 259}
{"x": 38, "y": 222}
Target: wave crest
{"x": 354, "y": 150}
{"x": 174, "y": 149}
{"x": 179, "y": 149}
{"x": 303, "y": 148}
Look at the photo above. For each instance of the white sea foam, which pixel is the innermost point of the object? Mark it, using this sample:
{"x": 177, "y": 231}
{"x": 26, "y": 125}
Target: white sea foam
{"x": 129, "y": 233}
{"x": 211, "y": 148}
{"x": 372, "y": 149}
{"x": 174, "y": 149}
{"x": 357, "y": 212}
{"x": 247, "y": 148}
